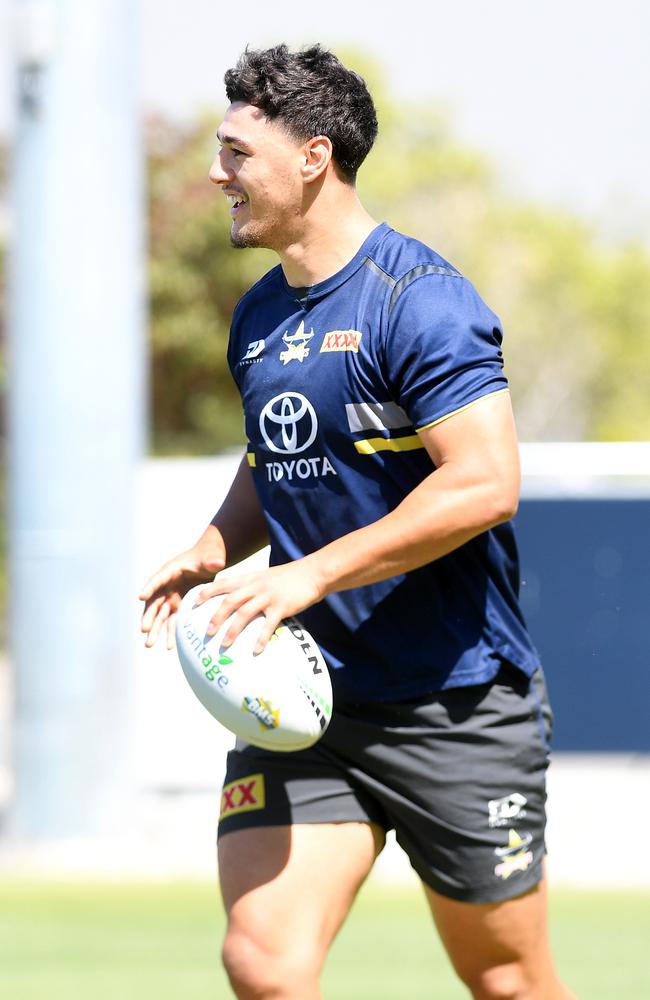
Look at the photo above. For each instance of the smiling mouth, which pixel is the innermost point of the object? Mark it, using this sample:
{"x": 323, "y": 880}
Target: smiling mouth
{"x": 236, "y": 201}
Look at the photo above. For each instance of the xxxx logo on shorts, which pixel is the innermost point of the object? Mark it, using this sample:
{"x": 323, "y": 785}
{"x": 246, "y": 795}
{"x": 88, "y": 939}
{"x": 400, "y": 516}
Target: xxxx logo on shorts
{"x": 243, "y": 795}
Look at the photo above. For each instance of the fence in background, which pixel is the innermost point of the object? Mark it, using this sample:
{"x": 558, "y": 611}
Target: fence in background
{"x": 584, "y": 539}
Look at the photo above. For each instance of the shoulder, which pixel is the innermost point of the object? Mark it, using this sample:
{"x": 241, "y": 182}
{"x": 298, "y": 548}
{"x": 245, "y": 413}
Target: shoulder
{"x": 401, "y": 258}
{"x": 423, "y": 283}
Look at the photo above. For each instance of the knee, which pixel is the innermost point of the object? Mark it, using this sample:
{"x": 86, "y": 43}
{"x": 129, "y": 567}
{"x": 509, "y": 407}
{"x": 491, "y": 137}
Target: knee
{"x": 501, "y": 982}
{"x": 251, "y": 973}
{"x": 258, "y": 973}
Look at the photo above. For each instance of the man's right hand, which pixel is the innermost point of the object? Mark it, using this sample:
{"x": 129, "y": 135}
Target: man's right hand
{"x": 164, "y": 591}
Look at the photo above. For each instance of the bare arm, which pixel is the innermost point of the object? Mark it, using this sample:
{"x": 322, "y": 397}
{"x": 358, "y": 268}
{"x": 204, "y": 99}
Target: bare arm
{"x": 239, "y": 523}
{"x": 237, "y": 530}
{"x": 474, "y": 486}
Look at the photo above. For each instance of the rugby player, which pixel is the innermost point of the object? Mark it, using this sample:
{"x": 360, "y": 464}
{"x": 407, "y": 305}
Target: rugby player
{"x": 382, "y": 467}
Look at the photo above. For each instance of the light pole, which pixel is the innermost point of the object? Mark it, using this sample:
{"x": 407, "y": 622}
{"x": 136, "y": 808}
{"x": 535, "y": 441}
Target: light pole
{"x": 76, "y": 409}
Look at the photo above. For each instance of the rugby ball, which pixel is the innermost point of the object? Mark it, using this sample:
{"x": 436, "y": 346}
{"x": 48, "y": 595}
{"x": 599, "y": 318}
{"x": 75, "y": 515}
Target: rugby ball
{"x": 279, "y": 699}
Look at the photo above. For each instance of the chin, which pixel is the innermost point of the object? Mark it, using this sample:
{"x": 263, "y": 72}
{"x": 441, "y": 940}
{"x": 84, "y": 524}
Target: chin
{"x": 240, "y": 240}
{"x": 246, "y": 236}
{"x": 254, "y": 233}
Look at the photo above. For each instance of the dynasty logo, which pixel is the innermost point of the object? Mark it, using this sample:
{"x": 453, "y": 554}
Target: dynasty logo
{"x": 502, "y": 812}
{"x": 253, "y": 353}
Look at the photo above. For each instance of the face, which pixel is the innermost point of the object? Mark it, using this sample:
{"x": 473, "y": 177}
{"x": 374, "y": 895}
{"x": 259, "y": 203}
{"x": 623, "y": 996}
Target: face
{"x": 258, "y": 168}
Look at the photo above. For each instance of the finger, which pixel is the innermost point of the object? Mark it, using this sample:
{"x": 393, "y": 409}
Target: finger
{"x": 239, "y": 616}
{"x": 232, "y": 601}
{"x": 150, "y": 612}
{"x": 158, "y": 623}
{"x": 171, "y": 632}
{"x": 267, "y": 630}
{"x": 150, "y": 587}
{"x": 156, "y": 583}
{"x": 160, "y": 579}
{"x": 221, "y": 585}
{"x": 228, "y": 607}
{"x": 214, "y": 565}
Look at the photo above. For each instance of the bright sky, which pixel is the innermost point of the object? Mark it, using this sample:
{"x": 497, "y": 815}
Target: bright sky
{"x": 558, "y": 93}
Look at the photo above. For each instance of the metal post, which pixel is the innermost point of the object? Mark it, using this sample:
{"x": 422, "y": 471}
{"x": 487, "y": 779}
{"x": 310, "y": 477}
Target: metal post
{"x": 76, "y": 409}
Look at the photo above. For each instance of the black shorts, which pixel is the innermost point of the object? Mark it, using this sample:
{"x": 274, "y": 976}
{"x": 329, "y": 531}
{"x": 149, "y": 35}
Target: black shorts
{"x": 459, "y": 775}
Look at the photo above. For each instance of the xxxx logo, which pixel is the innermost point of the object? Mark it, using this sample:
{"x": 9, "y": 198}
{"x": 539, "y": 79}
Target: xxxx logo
{"x": 243, "y": 795}
{"x": 341, "y": 340}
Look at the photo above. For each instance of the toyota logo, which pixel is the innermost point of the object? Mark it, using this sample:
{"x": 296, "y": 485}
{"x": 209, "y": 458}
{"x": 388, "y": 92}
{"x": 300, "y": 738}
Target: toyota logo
{"x": 288, "y": 423}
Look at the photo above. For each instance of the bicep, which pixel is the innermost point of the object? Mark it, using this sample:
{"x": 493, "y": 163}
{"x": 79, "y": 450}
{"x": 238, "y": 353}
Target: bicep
{"x": 478, "y": 444}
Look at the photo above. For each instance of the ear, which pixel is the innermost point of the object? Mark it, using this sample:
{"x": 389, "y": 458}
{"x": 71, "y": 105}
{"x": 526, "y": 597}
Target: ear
{"x": 317, "y": 156}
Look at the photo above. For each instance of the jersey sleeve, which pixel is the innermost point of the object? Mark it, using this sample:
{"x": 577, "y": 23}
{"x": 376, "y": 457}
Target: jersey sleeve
{"x": 442, "y": 348}
{"x": 234, "y": 350}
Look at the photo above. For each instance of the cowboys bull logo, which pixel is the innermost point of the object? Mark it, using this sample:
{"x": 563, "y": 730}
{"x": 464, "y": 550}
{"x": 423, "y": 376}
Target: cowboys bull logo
{"x": 296, "y": 345}
{"x": 516, "y": 856}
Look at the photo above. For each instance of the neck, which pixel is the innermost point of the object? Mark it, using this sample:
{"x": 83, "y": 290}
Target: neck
{"x": 329, "y": 239}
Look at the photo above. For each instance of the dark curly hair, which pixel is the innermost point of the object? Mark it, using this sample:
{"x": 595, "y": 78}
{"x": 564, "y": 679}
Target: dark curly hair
{"x": 311, "y": 93}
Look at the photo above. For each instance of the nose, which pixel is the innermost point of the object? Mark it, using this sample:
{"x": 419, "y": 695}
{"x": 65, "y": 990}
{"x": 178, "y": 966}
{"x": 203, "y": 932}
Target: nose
{"x": 218, "y": 174}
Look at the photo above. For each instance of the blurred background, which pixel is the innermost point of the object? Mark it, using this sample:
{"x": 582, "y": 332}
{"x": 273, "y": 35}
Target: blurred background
{"x": 514, "y": 140}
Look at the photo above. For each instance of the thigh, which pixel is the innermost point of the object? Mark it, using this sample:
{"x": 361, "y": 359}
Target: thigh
{"x": 288, "y": 887}
{"x": 499, "y": 949}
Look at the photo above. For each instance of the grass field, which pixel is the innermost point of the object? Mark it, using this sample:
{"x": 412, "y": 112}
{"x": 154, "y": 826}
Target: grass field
{"x": 125, "y": 942}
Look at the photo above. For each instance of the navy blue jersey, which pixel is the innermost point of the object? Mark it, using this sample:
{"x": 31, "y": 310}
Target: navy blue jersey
{"x": 336, "y": 381}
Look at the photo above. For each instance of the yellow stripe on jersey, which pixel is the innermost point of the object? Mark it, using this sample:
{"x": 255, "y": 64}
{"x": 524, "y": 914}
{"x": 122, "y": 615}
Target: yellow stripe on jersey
{"x": 372, "y": 445}
{"x": 460, "y": 410}
{"x": 250, "y": 455}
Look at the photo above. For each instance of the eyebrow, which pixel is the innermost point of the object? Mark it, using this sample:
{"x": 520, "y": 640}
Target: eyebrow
{"x": 232, "y": 140}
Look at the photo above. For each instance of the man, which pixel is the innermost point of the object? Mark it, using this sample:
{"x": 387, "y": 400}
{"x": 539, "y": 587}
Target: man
{"x": 382, "y": 465}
